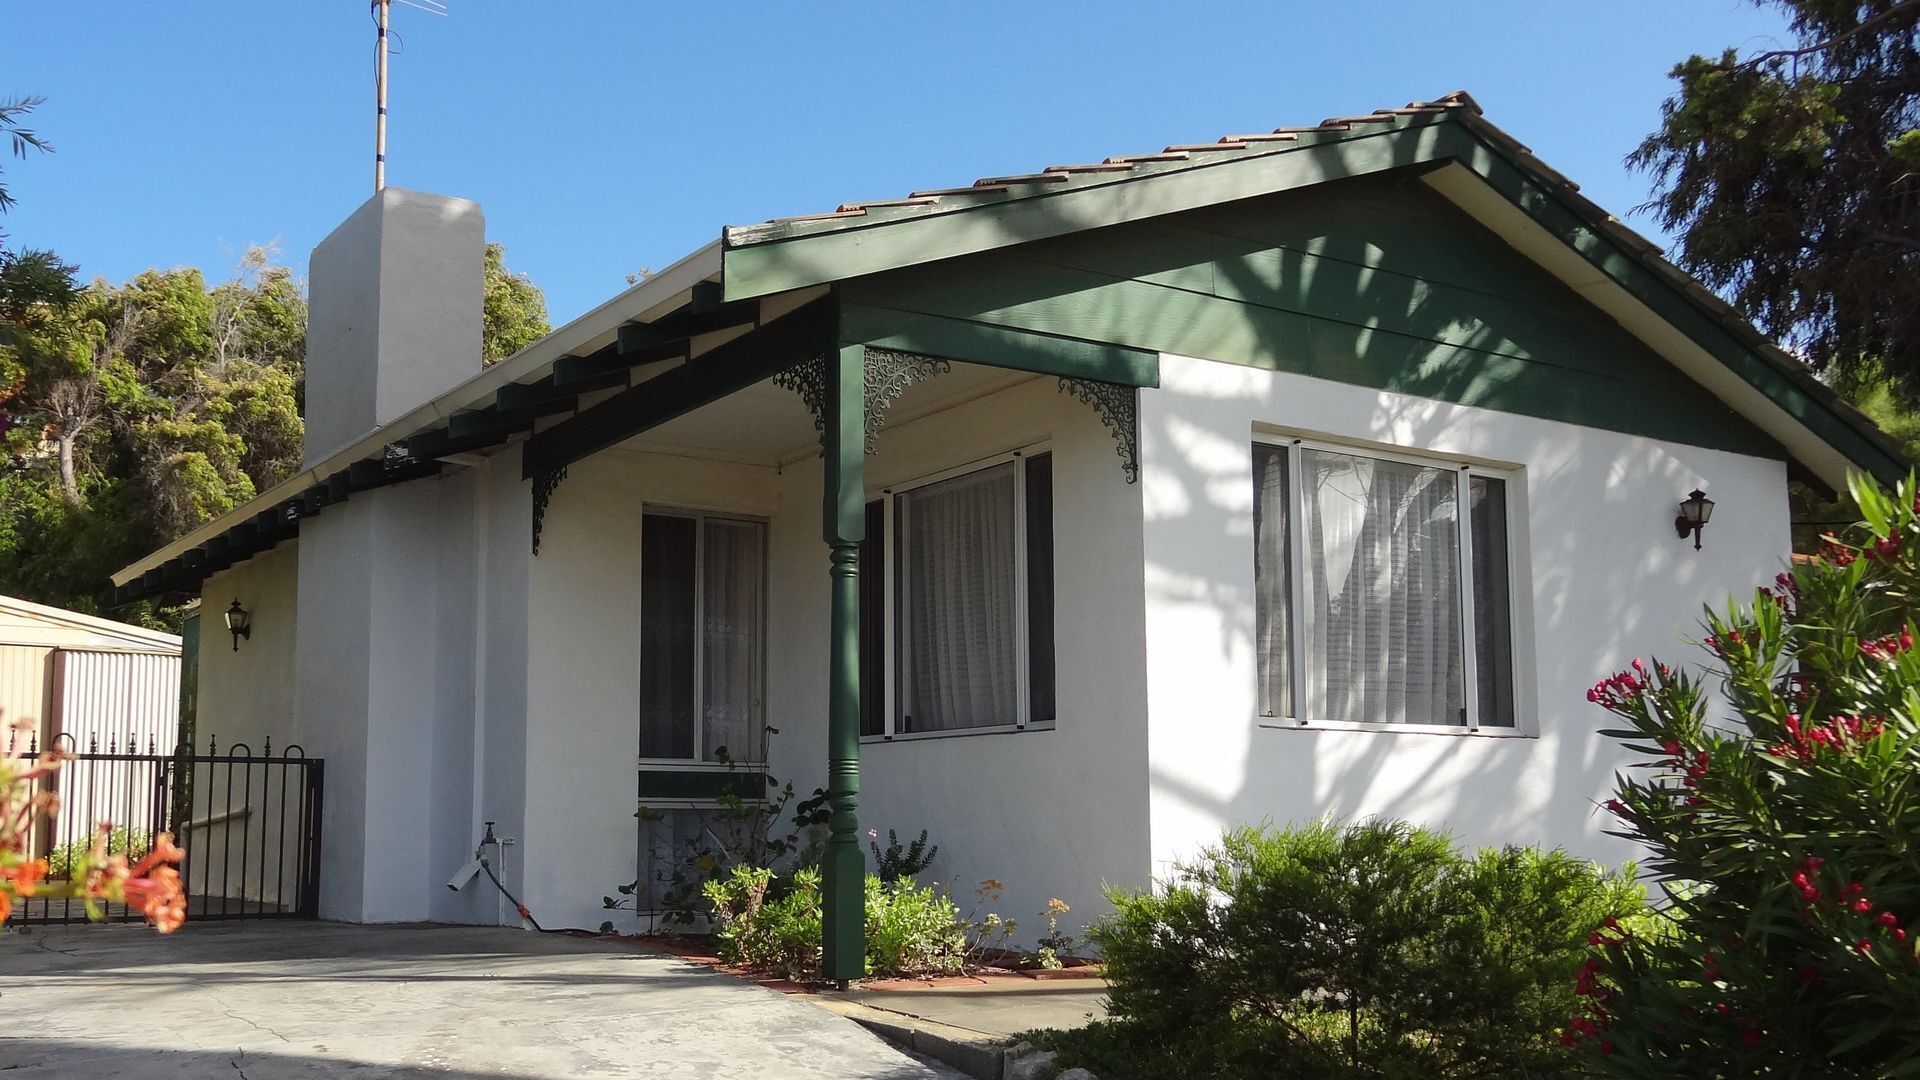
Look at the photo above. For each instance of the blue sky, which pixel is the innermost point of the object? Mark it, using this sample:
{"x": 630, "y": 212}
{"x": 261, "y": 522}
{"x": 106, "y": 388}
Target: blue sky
{"x": 602, "y": 136}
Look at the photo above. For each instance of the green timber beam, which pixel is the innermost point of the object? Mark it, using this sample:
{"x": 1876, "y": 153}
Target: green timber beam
{"x": 516, "y": 396}
{"x": 496, "y": 424}
{"x": 843, "y": 523}
{"x": 635, "y": 337}
{"x": 998, "y": 346}
{"x": 706, "y": 378}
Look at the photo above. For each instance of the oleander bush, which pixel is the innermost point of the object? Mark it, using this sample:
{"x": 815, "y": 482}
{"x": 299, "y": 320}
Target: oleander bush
{"x": 1373, "y": 950}
{"x": 1783, "y": 817}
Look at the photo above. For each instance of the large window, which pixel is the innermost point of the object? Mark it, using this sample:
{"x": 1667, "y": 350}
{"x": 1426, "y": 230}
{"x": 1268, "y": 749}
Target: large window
{"x": 1382, "y": 591}
{"x": 956, "y": 605}
{"x": 702, "y": 619}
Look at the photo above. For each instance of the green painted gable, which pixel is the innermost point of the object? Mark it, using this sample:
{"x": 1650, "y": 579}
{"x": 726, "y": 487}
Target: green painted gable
{"x": 1377, "y": 281}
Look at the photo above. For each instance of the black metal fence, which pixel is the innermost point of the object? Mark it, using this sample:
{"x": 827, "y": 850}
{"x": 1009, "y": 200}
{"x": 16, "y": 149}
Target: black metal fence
{"x": 249, "y": 824}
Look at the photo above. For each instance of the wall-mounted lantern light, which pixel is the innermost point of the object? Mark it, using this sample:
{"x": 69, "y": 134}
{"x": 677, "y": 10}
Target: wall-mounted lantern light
{"x": 1695, "y": 511}
{"x": 239, "y": 624}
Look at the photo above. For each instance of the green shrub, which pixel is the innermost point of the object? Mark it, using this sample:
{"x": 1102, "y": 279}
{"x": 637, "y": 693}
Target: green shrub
{"x": 1786, "y": 829}
{"x": 912, "y": 930}
{"x": 774, "y": 925}
{"x": 1376, "y": 950}
{"x": 133, "y": 843}
{"x": 780, "y": 935}
{"x": 896, "y": 861}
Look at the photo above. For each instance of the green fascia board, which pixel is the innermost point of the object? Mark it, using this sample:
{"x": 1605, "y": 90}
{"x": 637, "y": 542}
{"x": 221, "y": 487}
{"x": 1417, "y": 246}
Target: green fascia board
{"x": 799, "y": 259}
{"x": 995, "y": 345}
{"x": 783, "y": 256}
{"x": 706, "y": 378}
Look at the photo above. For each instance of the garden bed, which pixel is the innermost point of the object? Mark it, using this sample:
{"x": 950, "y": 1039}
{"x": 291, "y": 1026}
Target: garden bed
{"x": 1071, "y": 967}
{"x": 1001, "y": 966}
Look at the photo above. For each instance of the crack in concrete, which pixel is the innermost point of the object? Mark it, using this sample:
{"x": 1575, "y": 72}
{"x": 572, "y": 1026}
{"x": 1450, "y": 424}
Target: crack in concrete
{"x": 47, "y": 946}
{"x": 235, "y": 1062}
{"x": 231, "y": 1015}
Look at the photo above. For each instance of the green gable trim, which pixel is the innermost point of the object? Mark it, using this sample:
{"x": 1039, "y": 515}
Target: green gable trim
{"x": 1375, "y": 282}
{"x": 1666, "y": 299}
{"x": 882, "y": 241}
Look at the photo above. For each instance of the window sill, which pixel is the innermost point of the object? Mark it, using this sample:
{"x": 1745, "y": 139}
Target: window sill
{"x": 690, "y": 765}
{"x": 958, "y": 733}
{"x": 1273, "y": 723}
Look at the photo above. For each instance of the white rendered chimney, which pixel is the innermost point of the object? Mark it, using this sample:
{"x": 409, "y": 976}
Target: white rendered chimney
{"x": 394, "y": 313}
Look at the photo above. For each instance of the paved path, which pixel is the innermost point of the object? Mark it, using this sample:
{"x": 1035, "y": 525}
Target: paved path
{"x": 269, "y": 1001}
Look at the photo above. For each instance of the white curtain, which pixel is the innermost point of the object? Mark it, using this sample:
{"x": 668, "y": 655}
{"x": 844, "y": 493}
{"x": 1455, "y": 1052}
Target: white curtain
{"x": 959, "y": 653}
{"x": 1382, "y": 591}
{"x": 731, "y": 601}
{"x": 1272, "y": 581}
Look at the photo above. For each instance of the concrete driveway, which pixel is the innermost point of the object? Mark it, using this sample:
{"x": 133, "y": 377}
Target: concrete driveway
{"x": 268, "y": 1001}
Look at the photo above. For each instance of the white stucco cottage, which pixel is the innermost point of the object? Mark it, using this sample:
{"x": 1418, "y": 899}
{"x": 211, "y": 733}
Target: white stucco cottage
{"x": 1071, "y": 516}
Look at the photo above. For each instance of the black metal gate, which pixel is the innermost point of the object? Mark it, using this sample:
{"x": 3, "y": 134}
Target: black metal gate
{"x": 248, "y": 822}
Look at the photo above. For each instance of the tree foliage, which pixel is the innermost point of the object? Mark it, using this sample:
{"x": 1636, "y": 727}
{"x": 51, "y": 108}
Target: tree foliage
{"x": 133, "y": 413}
{"x": 514, "y": 312}
{"x": 1785, "y": 823}
{"x": 1793, "y": 179}
{"x": 19, "y": 138}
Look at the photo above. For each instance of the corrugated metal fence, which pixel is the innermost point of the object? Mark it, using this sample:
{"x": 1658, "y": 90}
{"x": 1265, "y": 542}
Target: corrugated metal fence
{"x": 109, "y": 703}
{"x": 130, "y": 699}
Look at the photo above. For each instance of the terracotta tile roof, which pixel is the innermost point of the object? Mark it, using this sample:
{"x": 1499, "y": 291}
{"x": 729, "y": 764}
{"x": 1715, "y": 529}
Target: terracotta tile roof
{"x": 1113, "y": 167}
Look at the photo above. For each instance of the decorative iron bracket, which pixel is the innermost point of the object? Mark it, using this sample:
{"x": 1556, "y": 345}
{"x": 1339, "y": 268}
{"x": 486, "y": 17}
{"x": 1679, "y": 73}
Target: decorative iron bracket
{"x": 544, "y": 486}
{"x": 887, "y": 375}
{"x": 1118, "y": 407}
{"x": 808, "y": 378}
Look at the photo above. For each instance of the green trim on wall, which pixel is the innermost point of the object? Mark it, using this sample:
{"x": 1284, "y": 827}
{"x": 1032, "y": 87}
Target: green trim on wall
{"x": 747, "y": 784}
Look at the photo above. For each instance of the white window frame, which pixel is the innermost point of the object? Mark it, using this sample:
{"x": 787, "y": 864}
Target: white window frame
{"x": 1519, "y": 591}
{"x": 893, "y": 689}
{"x": 698, "y": 762}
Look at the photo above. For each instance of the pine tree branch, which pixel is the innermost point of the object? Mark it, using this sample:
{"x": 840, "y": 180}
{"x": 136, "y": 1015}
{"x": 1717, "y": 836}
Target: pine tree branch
{"x": 1905, "y": 7}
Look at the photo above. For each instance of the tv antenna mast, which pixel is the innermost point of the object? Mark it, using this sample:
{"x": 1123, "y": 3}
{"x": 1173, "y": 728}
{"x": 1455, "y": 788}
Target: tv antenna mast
{"x": 382, "y": 16}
